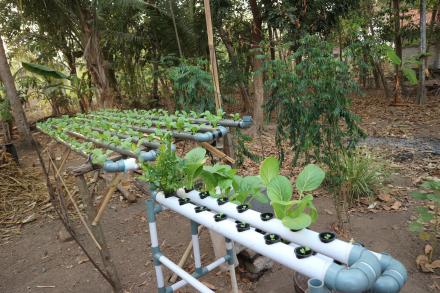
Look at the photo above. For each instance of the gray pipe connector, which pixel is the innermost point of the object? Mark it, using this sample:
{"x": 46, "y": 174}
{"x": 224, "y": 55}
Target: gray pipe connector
{"x": 120, "y": 166}
{"x": 113, "y": 167}
{"x": 147, "y": 156}
{"x": 359, "y": 277}
{"x": 246, "y": 122}
{"x": 393, "y": 277}
{"x": 316, "y": 286}
{"x": 209, "y": 136}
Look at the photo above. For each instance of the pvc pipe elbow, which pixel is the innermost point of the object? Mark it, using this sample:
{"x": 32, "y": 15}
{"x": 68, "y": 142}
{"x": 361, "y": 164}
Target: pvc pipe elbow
{"x": 393, "y": 278}
{"x": 359, "y": 277}
{"x": 246, "y": 122}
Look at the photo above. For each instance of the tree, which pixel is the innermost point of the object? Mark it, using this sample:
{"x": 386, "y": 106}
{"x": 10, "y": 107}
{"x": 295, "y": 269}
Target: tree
{"x": 11, "y": 92}
{"x": 398, "y": 49}
{"x": 257, "y": 62}
{"x": 421, "y": 95}
{"x": 77, "y": 20}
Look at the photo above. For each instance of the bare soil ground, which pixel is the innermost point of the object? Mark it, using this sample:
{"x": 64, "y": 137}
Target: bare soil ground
{"x": 37, "y": 261}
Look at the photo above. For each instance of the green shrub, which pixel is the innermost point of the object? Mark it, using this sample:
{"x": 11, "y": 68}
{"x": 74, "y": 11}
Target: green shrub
{"x": 357, "y": 174}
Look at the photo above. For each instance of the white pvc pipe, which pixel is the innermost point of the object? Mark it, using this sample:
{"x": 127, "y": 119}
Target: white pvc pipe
{"x": 153, "y": 234}
{"x": 337, "y": 249}
{"x": 313, "y": 267}
{"x": 184, "y": 275}
{"x": 209, "y": 267}
{"x": 159, "y": 276}
{"x": 215, "y": 264}
{"x": 196, "y": 250}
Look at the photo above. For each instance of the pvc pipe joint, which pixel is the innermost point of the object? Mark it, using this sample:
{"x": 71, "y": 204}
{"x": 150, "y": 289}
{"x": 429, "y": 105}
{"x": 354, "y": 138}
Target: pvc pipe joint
{"x": 246, "y": 122}
{"x": 316, "y": 286}
{"x": 209, "y": 136}
{"x": 120, "y": 166}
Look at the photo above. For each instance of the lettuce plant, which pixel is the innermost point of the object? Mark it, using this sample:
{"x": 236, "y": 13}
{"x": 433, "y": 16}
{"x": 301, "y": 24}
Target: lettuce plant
{"x": 218, "y": 177}
{"x": 298, "y": 213}
{"x": 193, "y": 166}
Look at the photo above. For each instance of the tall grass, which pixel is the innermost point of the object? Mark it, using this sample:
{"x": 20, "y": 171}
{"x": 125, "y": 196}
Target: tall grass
{"x": 358, "y": 174}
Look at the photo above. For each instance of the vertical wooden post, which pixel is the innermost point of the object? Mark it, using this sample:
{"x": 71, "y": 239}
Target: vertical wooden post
{"x": 99, "y": 235}
{"x": 212, "y": 57}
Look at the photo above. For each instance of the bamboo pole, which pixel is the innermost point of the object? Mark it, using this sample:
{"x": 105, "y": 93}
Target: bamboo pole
{"x": 72, "y": 200}
{"x": 111, "y": 188}
{"x": 212, "y": 57}
{"x": 218, "y": 153}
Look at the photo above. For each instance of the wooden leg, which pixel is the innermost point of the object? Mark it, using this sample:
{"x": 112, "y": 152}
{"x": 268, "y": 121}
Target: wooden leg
{"x": 99, "y": 235}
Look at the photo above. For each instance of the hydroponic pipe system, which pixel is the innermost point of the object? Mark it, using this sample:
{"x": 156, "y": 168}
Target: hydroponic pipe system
{"x": 366, "y": 270}
{"x": 123, "y": 165}
{"x": 199, "y": 137}
{"x": 393, "y": 274}
{"x": 244, "y": 122}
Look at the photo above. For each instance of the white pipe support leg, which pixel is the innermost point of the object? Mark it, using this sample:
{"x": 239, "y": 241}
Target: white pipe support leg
{"x": 184, "y": 275}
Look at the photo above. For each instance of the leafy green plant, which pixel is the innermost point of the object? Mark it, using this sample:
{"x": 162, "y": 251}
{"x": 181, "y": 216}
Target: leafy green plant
{"x": 166, "y": 172}
{"x": 246, "y": 188}
{"x": 193, "y": 165}
{"x": 427, "y": 224}
{"x": 405, "y": 67}
{"x": 360, "y": 174}
{"x": 192, "y": 86}
{"x": 218, "y": 177}
{"x": 295, "y": 214}
{"x": 311, "y": 102}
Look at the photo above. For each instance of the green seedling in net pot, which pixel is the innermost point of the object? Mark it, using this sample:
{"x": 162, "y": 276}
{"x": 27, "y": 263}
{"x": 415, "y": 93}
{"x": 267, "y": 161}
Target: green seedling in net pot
{"x": 296, "y": 214}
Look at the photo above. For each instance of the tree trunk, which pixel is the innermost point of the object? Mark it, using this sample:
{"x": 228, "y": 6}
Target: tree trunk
{"x": 14, "y": 100}
{"x": 100, "y": 70}
{"x": 398, "y": 49}
{"x": 383, "y": 80}
{"x": 257, "y": 37}
{"x": 421, "y": 95}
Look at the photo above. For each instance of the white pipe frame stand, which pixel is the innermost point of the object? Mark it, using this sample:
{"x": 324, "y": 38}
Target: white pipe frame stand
{"x": 186, "y": 279}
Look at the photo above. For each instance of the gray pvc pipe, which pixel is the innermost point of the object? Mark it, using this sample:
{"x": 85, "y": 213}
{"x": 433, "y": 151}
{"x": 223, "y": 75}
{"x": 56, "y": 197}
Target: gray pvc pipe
{"x": 393, "y": 277}
{"x": 121, "y": 165}
{"x": 209, "y": 136}
{"x": 359, "y": 277}
{"x": 316, "y": 286}
{"x": 245, "y": 122}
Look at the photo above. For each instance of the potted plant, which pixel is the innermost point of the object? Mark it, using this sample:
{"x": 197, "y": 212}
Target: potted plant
{"x": 303, "y": 252}
{"x": 219, "y": 217}
{"x": 327, "y": 237}
{"x": 271, "y": 239}
{"x": 243, "y": 227}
